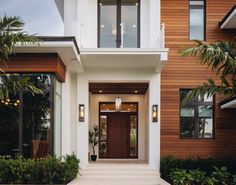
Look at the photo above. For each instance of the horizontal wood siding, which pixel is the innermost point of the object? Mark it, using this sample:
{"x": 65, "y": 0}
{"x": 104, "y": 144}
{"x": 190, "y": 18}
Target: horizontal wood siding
{"x": 182, "y": 72}
{"x": 36, "y": 63}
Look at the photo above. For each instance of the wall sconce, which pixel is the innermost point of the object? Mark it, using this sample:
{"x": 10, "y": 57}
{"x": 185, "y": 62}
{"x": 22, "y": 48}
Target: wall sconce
{"x": 155, "y": 113}
{"x": 81, "y": 112}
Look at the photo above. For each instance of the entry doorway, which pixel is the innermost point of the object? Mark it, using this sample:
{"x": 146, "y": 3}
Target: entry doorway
{"x": 118, "y": 130}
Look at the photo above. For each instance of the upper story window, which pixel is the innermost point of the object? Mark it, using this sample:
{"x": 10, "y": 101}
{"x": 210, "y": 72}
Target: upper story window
{"x": 196, "y": 117}
{"x": 118, "y": 23}
{"x": 197, "y": 19}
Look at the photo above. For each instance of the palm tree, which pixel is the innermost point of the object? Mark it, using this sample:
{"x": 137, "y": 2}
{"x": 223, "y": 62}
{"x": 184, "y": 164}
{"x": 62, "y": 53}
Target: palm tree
{"x": 220, "y": 56}
{"x": 11, "y": 34}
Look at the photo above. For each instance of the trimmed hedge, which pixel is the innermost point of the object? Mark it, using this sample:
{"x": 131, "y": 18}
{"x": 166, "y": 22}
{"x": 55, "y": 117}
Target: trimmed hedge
{"x": 168, "y": 164}
{"x": 48, "y": 170}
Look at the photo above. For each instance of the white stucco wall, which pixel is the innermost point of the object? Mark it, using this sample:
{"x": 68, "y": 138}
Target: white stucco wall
{"x": 122, "y": 75}
{"x": 142, "y": 113}
{"x": 81, "y": 17}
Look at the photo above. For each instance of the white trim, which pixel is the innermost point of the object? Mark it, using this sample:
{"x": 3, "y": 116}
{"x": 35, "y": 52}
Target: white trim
{"x": 231, "y": 104}
{"x": 223, "y": 26}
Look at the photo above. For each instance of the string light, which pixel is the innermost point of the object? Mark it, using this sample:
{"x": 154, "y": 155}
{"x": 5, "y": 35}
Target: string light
{"x": 9, "y": 102}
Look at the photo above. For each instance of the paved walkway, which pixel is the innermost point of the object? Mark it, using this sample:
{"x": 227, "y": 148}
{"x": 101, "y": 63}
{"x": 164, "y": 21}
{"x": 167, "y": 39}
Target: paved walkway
{"x": 118, "y": 173}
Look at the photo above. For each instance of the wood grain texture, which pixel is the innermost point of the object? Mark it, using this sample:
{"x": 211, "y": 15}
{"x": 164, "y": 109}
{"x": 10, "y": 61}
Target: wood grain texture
{"x": 183, "y": 73}
{"x": 36, "y": 63}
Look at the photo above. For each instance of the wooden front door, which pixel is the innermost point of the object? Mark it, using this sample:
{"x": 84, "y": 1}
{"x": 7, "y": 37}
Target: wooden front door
{"x": 118, "y": 135}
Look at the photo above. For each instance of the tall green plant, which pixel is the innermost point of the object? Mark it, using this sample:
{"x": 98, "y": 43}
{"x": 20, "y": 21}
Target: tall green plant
{"x": 12, "y": 34}
{"x": 220, "y": 56}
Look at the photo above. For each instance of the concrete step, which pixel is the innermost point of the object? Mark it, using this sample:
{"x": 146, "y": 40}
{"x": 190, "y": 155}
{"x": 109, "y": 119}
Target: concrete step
{"x": 118, "y": 174}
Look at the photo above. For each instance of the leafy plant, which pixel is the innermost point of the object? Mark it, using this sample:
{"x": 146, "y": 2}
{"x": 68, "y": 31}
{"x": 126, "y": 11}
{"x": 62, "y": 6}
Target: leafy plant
{"x": 49, "y": 170}
{"x": 221, "y": 175}
{"x": 220, "y": 56}
{"x": 181, "y": 176}
{"x": 11, "y": 34}
{"x": 93, "y": 137}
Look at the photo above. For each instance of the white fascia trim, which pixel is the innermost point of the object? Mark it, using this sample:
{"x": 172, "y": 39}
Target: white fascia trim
{"x": 228, "y": 19}
{"x": 122, "y": 51}
{"x": 229, "y": 104}
{"x": 53, "y": 44}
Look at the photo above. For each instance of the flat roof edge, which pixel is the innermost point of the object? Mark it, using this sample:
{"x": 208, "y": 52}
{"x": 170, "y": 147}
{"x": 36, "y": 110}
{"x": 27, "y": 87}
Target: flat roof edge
{"x": 60, "y": 39}
{"x": 227, "y": 15}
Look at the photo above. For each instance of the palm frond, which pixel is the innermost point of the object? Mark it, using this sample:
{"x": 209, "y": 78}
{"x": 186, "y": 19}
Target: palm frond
{"x": 209, "y": 89}
{"x": 220, "y": 56}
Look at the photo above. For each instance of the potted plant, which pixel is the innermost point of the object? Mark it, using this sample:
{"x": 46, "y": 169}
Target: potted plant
{"x": 93, "y": 140}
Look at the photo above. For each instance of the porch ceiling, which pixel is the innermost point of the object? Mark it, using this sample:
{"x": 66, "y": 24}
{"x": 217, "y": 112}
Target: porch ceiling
{"x": 112, "y": 88}
{"x": 133, "y": 58}
{"x": 229, "y": 21}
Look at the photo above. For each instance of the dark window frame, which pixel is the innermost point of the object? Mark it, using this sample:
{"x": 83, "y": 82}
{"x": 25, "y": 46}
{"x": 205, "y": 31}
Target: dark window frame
{"x": 118, "y": 21}
{"x": 204, "y": 18}
{"x": 196, "y": 118}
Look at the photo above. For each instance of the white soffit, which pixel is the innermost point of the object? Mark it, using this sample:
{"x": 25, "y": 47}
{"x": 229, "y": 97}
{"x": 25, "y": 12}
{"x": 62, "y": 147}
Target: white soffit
{"x": 231, "y": 104}
{"x": 134, "y": 58}
{"x": 230, "y": 21}
{"x": 66, "y": 50}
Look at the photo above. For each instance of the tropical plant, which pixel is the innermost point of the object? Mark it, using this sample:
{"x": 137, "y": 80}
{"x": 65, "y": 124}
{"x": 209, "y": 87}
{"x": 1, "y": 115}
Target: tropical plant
{"x": 220, "y": 56}
{"x": 12, "y": 34}
{"x": 93, "y": 137}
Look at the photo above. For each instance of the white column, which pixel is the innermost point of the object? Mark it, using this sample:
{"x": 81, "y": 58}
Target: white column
{"x": 154, "y": 127}
{"x": 155, "y": 23}
{"x": 66, "y": 117}
{"x": 82, "y": 127}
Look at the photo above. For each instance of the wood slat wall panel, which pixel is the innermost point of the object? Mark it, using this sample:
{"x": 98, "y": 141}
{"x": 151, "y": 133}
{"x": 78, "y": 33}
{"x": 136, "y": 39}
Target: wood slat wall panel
{"x": 182, "y": 72}
{"x": 36, "y": 63}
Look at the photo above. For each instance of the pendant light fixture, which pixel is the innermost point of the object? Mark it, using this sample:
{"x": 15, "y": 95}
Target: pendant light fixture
{"x": 118, "y": 101}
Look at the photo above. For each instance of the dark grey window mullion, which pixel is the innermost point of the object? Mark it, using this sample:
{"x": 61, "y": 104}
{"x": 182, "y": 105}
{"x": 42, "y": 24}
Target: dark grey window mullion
{"x": 118, "y": 23}
{"x": 21, "y": 122}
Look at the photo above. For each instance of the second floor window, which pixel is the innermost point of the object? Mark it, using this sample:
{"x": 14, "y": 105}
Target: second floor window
{"x": 196, "y": 117}
{"x": 118, "y": 23}
{"x": 197, "y": 19}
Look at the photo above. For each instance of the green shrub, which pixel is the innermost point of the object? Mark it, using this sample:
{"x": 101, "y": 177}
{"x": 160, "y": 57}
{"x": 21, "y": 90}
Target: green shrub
{"x": 220, "y": 176}
{"x": 49, "y": 170}
{"x": 168, "y": 164}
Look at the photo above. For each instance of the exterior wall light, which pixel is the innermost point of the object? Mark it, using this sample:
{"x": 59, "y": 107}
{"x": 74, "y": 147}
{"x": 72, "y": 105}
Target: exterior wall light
{"x": 155, "y": 113}
{"x": 81, "y": 112}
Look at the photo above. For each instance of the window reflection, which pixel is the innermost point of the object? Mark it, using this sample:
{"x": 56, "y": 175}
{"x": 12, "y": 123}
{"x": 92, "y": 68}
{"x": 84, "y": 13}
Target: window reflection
{"x": 197, "y": 20}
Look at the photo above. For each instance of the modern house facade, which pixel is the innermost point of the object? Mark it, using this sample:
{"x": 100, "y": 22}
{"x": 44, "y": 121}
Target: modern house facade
{"x": 118, "y": 67}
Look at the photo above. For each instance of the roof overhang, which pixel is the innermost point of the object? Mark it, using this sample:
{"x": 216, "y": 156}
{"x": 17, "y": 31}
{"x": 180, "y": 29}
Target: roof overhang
{"x": 229, "y": 21}
{"x": 65, "y": 47}
{"x": 228, "y": 103}
{"x": 135, "y": 58}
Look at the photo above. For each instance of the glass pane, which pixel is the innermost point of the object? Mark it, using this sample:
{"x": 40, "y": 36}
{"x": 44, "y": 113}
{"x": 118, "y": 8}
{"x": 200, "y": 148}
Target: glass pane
{"x": 187, "y": 112}
{"x": 36, "y": 118}
{"x": 196, "y": 23}
{"x": 107, "y": 24}
{"x": 133, "y": 136}
{"x": 187, "y": 127}
{"x": 205, "y": 111}
{"x": 103, "y": 136}
{"x": 129, "y": 24}
{"x": 9, "y": 124}
{"x": 205, "y": 98}
{"x": 205, "y": 128}
{"x": 125, "y": 107}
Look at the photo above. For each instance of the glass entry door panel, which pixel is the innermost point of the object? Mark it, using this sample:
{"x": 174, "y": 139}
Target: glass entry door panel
{"x": 129, "y": 24}
{"x": 118, "y": 24}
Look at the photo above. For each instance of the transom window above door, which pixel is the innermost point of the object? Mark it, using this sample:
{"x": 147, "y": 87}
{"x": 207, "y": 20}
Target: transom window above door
{"x": 118, "y": 23}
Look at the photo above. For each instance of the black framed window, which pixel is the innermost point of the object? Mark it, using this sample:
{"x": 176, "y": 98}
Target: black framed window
{"x": 197, "y": 19}
{"x": 196, "y": 117}
{"x": 27, "y": 121}
{"x": 118, "y": 23}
